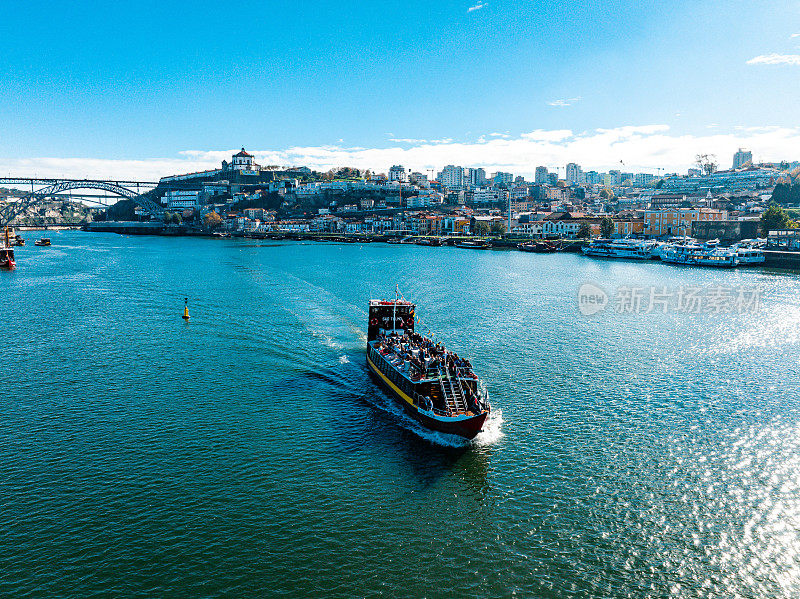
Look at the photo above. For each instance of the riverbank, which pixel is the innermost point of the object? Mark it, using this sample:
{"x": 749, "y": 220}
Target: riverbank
{"x": 774, "y": 259}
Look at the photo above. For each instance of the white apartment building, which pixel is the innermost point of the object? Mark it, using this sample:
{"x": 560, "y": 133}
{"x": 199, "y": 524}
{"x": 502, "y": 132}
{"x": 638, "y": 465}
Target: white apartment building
{"x": 452, "y": 177}
{"x": 574, "y": 174}
{"x": 398, "y": 173}
{"x": 181, "y": 199}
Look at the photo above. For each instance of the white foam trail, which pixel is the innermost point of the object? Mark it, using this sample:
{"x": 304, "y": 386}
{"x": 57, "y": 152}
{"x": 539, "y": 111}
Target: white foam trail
{"x": 492, "y": 429}
{"x": 344, "y": 360}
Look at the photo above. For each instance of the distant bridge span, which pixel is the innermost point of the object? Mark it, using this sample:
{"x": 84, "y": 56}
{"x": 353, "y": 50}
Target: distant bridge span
{"x": 48, "y": 187}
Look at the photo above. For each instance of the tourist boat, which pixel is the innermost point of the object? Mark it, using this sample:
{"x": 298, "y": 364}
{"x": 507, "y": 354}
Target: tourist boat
{"x": 7, "y": 253}
{"x": 44, "y": 241}
{"x": 430, "y": 241}
{"x": 750, "y": 251}
{"x": 434, "y": 386}
{"x": 20, "y": 241}
{"x": 694, "y": 254}
{"x": 474, "y": 244}
{"x": 634, "y": 249}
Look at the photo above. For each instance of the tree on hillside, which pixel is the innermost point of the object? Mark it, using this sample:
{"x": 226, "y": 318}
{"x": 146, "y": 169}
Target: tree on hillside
{"x": 659, "y": 183}
{"x": 706, "y": 163}
{"x": 775, "y": 218}
{"x": 607, "y": 194}
{"x": 498, "y": 228}
{"x": 481, "y": 228}
{"x": 212, "y": 220}
{"x": 786, "y": 193}
{"x": 606, "y": 227}
{"x": 584, "y": 232}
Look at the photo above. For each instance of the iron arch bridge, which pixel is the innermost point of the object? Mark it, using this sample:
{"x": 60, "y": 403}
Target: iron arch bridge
{"x": 51, "y": 187}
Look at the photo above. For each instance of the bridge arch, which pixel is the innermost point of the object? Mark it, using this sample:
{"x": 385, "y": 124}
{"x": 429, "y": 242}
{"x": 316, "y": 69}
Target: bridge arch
{"x": 12, "y": 210}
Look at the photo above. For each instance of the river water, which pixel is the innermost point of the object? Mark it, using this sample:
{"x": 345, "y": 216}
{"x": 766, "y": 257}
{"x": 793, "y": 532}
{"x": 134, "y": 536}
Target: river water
{"x": 248, "y": 452}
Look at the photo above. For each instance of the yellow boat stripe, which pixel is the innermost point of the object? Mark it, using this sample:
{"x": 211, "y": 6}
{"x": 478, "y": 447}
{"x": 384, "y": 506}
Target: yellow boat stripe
{"x": 405, "y": 397}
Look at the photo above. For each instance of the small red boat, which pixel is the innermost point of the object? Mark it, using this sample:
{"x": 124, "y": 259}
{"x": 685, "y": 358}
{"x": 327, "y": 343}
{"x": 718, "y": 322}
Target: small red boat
{"x": 7, "y": 254}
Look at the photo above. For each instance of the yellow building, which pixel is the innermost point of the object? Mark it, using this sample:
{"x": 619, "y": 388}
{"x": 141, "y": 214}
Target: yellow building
{"x": 678, "y": 221}
{"x": 628, "y": 226}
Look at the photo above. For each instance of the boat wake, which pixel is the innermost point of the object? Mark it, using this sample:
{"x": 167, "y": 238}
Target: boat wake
{"x": 492, "y": 430}
{"x": 489, "y": 435}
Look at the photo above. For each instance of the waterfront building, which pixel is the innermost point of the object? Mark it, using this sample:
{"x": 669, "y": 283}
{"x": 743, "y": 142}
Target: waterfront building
{"x": 628, "y": 226}
{"x": 181, "y": 199}
{"x": 678, "y": 221}
{"x": 742, "y": 157}
{"x": 398, "y": 173}
{"x": 784, "y": 239}
{"x": 541, "y": 176}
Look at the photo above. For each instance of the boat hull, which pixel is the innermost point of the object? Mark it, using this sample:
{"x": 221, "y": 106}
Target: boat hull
{"x": 467, "y": 426}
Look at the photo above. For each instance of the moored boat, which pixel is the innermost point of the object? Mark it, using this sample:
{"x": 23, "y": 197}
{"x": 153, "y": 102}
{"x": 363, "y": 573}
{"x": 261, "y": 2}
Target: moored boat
{"x": 429, "y": 241}
{"x": 474, "y": 244}
{"x": 7, "y": 260}
{"x": 695, "y": 254}
{"x": 750, "y": 252}
{"x": 632, "y": 249}
{"x": 541, "y": 247}
{"x": 435, "y": 387}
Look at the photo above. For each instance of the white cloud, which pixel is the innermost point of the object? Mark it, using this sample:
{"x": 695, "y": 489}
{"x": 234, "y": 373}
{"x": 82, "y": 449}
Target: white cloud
{"x": 645, "y": 148}
{"x": 564, "y": 102}
{"x": 408, "y": 140}
{"x": 477, "y": 6}
{"x": 792, "y": 59}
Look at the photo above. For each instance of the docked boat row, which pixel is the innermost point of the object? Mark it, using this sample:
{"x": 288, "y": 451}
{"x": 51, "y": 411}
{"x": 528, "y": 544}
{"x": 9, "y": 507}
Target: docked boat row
{"x": 434, "y": 386}
{"x": 680, "y": 250}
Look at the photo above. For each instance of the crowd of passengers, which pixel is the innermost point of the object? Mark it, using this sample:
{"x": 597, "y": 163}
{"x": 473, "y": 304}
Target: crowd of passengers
{"x": 423, "y": 353}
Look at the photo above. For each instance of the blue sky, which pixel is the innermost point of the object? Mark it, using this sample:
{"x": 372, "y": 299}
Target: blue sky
{"x": 160, "y": 84}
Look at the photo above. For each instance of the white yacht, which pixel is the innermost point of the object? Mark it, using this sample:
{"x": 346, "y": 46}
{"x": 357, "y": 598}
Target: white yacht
{"x": 635, "y": 249}
{"x": 750, "y": 251}
{"x": 692, "y": 253}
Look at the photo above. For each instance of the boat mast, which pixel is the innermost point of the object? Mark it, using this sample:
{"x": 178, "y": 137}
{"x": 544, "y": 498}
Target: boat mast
{"x": 394, "y": 306}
